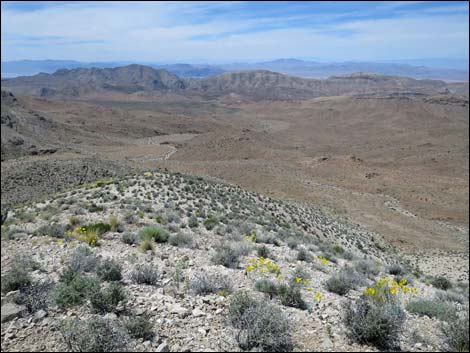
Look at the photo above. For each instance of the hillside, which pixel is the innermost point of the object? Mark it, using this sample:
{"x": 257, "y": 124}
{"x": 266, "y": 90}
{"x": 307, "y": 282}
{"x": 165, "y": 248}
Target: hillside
{"x": 172, "y": 259}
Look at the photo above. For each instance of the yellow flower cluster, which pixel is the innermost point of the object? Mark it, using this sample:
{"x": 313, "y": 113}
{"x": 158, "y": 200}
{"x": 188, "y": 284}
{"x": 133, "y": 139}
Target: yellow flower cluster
{"x": 263, "y": 265}
{"x": 324, "y": 260}
{"x": 250, "y": 237}
{"x": 83, "y": 234}
{"x": 148, "y": 174}
{"x": 385, "y": 285}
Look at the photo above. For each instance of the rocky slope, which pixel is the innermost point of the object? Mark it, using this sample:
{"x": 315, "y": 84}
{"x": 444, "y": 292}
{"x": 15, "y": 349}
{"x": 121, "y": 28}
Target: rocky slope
{"x": 177, "y": 252}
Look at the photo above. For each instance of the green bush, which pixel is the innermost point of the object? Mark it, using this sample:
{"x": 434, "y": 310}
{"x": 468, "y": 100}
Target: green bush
{"x": 441, "y": 283}
{"x": 261, "y": 326}
{"x": 441, "y": 310}
{"x": 74, "y": 288}
{"x": 303, "y": 255}
{"x": 108, "y": 299}
{"x": 99, "y": 228}
{"x": 210, "y": 222}
{"x": 109, "y": 270}
{"x": 375, "y": 324}
{"x": 262, "y": 251}
{"x": 159, "y": 235}
{"x": 290, "y": 296}
{"x": 396, "y": 270}
{"x": 95, "y": 335}
{"x": 139, "y": 327}
{"x": 266, "y": 286}
{"x": 16, "y": 278}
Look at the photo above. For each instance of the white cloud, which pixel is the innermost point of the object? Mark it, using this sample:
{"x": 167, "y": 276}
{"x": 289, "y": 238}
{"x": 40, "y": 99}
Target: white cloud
{"x": 162, "y": 31}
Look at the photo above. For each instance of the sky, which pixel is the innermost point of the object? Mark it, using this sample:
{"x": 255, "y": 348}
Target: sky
{"x": 224, "y": 32}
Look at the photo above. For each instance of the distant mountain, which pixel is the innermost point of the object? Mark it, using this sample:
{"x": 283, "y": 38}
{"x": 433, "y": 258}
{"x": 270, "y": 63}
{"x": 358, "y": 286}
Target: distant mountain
{"x": 251, "y": 84}
{"x": 314, "y": 69}
{"x": 79, "y": 82}
{"x": 294, "y": 67}
{"x": 32, "y": 67}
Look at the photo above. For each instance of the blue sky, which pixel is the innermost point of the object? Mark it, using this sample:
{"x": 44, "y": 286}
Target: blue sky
{"x": 233, "y": 31}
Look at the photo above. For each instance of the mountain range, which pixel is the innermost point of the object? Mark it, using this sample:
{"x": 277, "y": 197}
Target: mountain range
{"x": 295, "y": 67}
{"x": 251, "y": 84}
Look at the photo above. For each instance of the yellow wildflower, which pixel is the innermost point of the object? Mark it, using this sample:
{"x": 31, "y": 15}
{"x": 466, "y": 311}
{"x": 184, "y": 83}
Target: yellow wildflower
{"x": 318, "y": 296}
{"x": 298, "y": 279}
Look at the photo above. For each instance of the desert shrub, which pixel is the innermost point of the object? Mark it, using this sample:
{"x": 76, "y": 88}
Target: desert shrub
{"x": 261, "y": 325}
{"x": 367, "y": 268}
{"x": 130, "y": 238}
{"x": 227, "y": 255}
{"x": 74, "y": 221}
{"x": 155, "y": 233}
{"x": 396, "y": 270}
{"x": 139, "y": 327}
{"x": 203, "y": 283}
{"x": 376, "y": 324}
{"x": 291, "y": 296}
{"x": 210, "y": 222}
{"x": 238, "y": 306}
{"x": 267, "y": 239}
{"x": 441, "y": 310}
{"x": 74, "y": 288}
{"x": 456, "y": 333}
{"x": 108, "y": 299}
{"x": 193, "y": 222}
{"x": 262, "y": 251}
{"x": 339, "y": 284}
{"x": 454, "y": 296}
{"x": 181, "y": 239}
{"x": 147, "y": 245}
{"x": 95, "y": 335}
{"x": 303, "y": 255}
{"x": 16, "y": 278}
{"x": 35, "y": 296}
{"x": 342, "y": 282}
{"x": 441, "y": 283}
{"x": 114, "y": 224}
{"x": 83, "y": 259}
{"x": 266, "y": 286}
{"x": 109, "y": 270}
{"x": 51, "y": 230}
{"x": 292, "y": 242}
{"x": 145, "y": 274}
{"x": 337, "y": 249}
{"x": 99, "y": 228}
